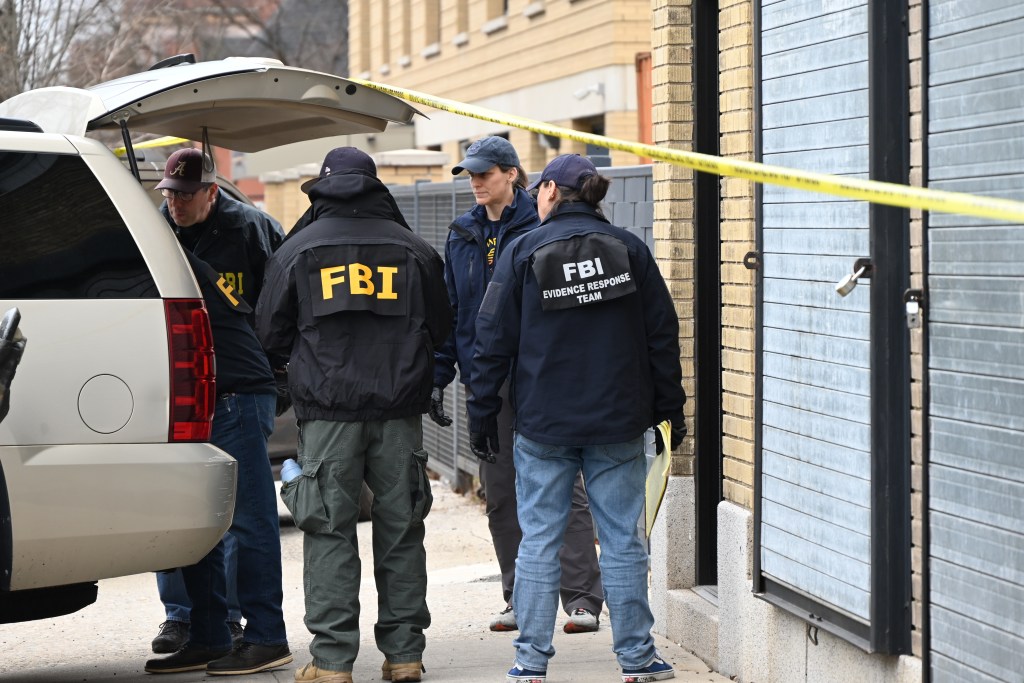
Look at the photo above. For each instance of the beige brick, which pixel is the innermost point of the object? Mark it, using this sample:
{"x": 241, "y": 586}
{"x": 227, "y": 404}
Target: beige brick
{"x": 737, "y": 209}
{"x": 673, "y": 230}
{"x": 736, "y": 295}
{"x": 736, "y": 470}
{"x": 738, "y": 493}
{"x": 739, "y": 361}
{"x": 738, "y": 383}
{"x": 737, "y": 448}
{"x": 673, "y": 211}
{"x": 735, "y": 338}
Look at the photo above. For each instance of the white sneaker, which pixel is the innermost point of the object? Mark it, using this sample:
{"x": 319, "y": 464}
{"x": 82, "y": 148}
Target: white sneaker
{"x": 581, "y": 621}
{"x": 505, "y": 620}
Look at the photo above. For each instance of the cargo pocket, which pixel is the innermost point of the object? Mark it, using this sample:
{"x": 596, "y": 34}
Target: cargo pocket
{"x": 303, "y": 499}
{"x": 422, "y": 498}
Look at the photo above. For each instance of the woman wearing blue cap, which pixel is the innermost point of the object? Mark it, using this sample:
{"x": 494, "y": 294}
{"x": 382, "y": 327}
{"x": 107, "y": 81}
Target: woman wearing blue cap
{"x": 504, "y": 211}
{"x": 579, "y": 313}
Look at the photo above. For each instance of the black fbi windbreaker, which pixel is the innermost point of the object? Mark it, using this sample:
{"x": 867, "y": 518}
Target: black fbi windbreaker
{"x": 357, "y": 302}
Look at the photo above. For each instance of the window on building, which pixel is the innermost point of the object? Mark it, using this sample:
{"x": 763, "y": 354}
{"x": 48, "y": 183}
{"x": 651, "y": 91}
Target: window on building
{"x": 385, "y": 31}
{"x": 432, "y": 25}
{"x": 364, "y": 36}
{"x": 406, "y": 28}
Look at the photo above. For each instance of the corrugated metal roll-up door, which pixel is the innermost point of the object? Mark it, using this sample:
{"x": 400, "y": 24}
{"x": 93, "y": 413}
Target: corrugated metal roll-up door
{"x": 815, "y": 468}
{"x": 976, "y": 344}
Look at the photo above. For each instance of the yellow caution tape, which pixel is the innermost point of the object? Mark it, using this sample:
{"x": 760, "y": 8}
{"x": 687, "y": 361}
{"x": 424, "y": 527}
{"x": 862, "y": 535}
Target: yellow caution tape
{"x": 891, "y": 194}
{"x": 149, "y": 144}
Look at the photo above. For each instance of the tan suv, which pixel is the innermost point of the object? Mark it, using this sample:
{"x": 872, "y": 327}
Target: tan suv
{"x": 105, "y": 469}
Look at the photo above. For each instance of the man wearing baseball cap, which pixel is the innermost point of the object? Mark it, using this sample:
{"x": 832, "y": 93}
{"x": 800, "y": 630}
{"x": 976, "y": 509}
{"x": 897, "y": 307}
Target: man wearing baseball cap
{"x": 235, "y": 240}
{"x": 357, "y": 301}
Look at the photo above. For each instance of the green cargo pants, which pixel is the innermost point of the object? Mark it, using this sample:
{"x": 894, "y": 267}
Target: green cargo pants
{"x": 336, "y": 457}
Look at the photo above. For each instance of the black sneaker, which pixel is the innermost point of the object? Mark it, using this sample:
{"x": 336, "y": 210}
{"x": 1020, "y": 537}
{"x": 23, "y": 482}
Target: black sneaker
{"x": 250, "y": 658}
{"x": 237, "y": 633}
{"x": 172, "y": 637}
{"x": 188, "y": 658}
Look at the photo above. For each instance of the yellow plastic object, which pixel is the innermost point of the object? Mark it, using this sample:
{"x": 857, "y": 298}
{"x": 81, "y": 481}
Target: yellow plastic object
{"x": 657, "y": 475}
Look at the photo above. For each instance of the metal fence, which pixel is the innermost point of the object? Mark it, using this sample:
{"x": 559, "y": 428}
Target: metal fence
{"x": 430, "y": 208}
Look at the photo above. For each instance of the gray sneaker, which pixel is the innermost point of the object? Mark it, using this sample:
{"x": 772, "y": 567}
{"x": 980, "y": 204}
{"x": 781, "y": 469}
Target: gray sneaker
{"x": 581, "y": 621}
{"x": 505, "y": 620}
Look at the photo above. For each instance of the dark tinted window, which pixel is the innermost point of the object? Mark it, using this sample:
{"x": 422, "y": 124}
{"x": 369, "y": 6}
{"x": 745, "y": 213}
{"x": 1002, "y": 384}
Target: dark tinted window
{"x": 60, "y": 235}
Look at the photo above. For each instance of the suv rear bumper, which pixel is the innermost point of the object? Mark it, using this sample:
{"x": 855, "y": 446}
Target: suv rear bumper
{"x": 89, "y": 512}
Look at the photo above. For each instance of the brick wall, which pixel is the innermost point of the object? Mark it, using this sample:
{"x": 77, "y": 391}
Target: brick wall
{"x": 736, "y": 125}
{"x": 672, "y": 98}
{"x": 528, "y": 48}
{"x": 917, "y": 228}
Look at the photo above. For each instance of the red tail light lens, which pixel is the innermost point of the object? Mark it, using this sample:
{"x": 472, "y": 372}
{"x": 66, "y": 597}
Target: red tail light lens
{"x": 193, "y": 393}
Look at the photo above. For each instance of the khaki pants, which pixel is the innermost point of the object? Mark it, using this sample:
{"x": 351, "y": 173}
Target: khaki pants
{"x": 336, "y": 458}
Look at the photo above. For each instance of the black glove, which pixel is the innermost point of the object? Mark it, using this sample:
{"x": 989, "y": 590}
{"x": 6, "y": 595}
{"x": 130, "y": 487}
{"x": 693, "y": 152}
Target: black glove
{"x": 436, "y": 411}
{"x": 484, "y": 443}
{"x": 10, "y": 356}
{"x": 284, "y": 396}
{"x": 678, "y": 432}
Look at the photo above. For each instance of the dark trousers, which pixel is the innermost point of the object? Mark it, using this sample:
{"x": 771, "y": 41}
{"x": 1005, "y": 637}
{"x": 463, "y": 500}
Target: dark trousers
{"x": 581, "y": 574}
{"x": 241, "y": 425}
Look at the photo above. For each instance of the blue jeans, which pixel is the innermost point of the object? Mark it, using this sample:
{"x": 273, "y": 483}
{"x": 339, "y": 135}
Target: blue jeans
{"x": 171, "y": 586}
{"x": 615, "y": 477}
{"x": 241, "y": 425}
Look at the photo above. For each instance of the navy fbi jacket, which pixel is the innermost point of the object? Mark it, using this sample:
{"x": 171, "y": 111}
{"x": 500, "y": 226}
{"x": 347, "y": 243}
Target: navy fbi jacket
{"x": 580, "y": 312}
{"x": 357, "y": 301}
{"x": 466, "y": 275}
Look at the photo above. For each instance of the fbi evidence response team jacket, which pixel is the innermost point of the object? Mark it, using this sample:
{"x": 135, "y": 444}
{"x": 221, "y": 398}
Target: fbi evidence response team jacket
{"x": 466, "y": 275}
{"x": 236, "y": 239}
{"x": 357, "y": 302}
{"x": 581, "y": 308}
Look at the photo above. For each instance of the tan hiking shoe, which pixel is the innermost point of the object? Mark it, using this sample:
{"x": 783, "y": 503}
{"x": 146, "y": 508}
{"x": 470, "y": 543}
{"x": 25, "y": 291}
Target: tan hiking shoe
{"x": 403, "y": 671}
{"x": 314, "y": 674}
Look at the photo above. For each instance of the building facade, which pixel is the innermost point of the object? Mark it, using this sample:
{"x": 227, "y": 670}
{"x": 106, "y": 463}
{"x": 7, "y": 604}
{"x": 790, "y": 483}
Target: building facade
{"x": 571, "y": 64}
{"x": 870, "y": 523}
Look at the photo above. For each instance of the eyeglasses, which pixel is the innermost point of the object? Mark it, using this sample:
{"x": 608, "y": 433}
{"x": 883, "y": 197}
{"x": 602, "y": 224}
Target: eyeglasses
{"x": 180, "y": 196}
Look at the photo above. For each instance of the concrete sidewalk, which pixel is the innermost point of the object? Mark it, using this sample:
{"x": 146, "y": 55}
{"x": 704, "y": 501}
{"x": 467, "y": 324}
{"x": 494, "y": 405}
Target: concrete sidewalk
{"x": 109, "y": 641}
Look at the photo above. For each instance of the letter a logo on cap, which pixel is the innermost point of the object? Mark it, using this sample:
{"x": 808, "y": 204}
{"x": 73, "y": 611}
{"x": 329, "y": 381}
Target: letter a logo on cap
{"x": 179, "y": 169}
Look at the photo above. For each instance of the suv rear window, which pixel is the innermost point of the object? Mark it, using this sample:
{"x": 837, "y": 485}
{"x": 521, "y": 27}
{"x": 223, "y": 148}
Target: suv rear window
{"x": 60, "y": 235}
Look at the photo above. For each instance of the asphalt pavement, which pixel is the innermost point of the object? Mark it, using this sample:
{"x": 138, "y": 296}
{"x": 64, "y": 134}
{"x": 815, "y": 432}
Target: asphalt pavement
{"x": 109, "y": 640}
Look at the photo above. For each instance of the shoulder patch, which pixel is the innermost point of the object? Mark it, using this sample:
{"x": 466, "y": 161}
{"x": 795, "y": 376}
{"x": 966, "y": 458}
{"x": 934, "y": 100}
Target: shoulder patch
{"x": 581, "y": 270}
{"x": 204, "y": 271}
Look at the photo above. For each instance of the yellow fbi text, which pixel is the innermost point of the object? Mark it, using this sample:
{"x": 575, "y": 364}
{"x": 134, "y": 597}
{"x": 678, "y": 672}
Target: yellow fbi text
{"x": 360, "y": 279}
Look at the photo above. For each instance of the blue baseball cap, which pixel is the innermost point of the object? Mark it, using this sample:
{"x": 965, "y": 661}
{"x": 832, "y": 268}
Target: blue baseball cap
{"x": 567, "y": 170}
{"x": 486, "y": 153}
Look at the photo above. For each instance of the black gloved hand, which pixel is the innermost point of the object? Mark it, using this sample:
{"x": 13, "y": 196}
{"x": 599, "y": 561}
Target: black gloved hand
{"x": 10, "y": 356}
{"x": 284, "y": 395}
{"x": 436, "y": 411}
{"x": 678, "y": 432}
{"x": 484, "y": 443}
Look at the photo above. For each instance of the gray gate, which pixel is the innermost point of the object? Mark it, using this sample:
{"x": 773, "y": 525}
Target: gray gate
{"x": 430, "y": 208}
{"x": 814, "y": 517}
{"x": 976, "y": 344}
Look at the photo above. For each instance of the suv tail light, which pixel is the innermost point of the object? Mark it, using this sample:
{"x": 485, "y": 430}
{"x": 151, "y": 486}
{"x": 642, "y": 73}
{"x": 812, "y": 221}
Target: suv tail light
{"x": 190, "y": 343}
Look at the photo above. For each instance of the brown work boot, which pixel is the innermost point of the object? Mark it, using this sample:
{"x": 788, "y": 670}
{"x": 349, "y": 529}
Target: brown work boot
{"x": 402, "y": 671}
{"x": 314, "y": 674}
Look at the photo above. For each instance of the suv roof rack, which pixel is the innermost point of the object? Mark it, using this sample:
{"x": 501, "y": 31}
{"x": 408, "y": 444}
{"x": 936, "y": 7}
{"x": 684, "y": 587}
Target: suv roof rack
{"x": 19, "y": 125}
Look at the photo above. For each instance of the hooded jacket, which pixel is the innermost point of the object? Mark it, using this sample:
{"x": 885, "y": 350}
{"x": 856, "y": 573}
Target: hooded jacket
{"x": 581, "y": 309}
{"x": 466, "y": 275}
{"x": 357, "y": 302}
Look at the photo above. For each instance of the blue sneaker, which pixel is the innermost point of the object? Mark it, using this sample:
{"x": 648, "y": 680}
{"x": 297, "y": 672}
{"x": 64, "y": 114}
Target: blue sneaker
{"x": 517, "y": 674}
{"x": 657, "y": 670}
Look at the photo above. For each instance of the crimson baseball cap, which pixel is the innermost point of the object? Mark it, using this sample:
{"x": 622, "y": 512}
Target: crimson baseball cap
{"x": 567, "y": 170}
{"x": 343, "y": 160}
{"x": 486, "y": 153}
{"x": 186, "y": 172}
